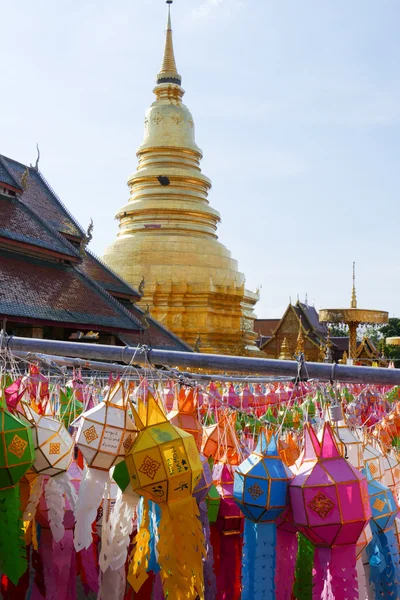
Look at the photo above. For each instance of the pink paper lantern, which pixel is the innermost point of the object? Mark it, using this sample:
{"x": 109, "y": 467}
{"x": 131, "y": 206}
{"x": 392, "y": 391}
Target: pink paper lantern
{"x": 329, "y": 499}
{"x": 231, "y": 397}
{"x": 247, "y": 398}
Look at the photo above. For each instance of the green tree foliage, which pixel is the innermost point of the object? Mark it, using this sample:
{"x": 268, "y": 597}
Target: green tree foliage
{"x": 392, "y": 329}
{"x": 339, "y": 331}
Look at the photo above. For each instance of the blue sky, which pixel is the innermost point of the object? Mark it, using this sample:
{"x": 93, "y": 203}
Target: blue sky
{"x": 297, "y": 111}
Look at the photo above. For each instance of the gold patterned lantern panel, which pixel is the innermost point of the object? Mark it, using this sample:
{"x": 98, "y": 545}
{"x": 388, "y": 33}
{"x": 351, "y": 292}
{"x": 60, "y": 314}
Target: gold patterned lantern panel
{"x": 164, "y": 464}
{"x": 106, "y": 431}
{"x": 16, "y": 449}
{"x": 391, "y": 474}
{"x": 54, "y": 446}
{"x": 374, "y": 460}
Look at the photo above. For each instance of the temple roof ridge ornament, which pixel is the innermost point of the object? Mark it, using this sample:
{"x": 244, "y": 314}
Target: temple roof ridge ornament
{"x": 168, "y": 72}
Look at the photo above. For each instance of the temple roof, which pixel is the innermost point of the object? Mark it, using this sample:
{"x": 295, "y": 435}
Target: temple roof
{"x": 308, "y": 316}
{"x": 6, "y": 177}
{"x": 46, "y": 279}
{"x": 47, "y": 291}
{"x": 39, "y": 196}
{"x": 20, "y": 224}
{"x": 311, "y": 317}
{"x": 94, "y": 267}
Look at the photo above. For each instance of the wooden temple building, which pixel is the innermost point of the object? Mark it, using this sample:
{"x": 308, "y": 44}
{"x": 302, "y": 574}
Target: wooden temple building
{"x": 299, "y": 330}
{"x": 51, "y": 285}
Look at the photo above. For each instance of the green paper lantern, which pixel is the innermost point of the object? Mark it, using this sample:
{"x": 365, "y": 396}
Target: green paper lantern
{"x": 70, "y": 407}
{"x": 17, "y": 452}
{"x": 213, "y": 501}
{"x": 17, "y": 455}
{"x": 121, "y": 475}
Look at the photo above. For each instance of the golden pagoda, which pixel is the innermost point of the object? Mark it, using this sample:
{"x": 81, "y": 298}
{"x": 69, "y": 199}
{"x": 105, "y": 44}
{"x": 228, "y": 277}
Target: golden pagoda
{"x": 168, "y": 231}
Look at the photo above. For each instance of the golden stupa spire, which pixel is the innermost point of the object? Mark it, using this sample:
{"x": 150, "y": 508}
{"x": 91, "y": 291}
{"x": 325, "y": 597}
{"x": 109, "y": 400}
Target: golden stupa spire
{"x": 353, "y": 292}
{"x": 300, "y": 340}
{"x": 285, "y": 352}
{"x": 168, "y": 72}
{"x": 168, "y": 230}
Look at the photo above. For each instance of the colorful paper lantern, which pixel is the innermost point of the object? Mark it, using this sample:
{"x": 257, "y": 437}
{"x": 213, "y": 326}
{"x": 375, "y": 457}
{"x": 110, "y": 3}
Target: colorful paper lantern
{"x": 213, "y": 501}
{"x": 261, "y": 492}
{"x": 384, "y": 512}
{"x": 261, "y": 483}
{"x": 227, "y": 532}
{"x": 329, "y": 499}
{"x": 373, "y": 459}
{"x": 205, "y": 482}
{"x": 164, "y": 466}
{"x": 349, "y": 444}
{"x": 391, "y": 474}
{"x": 220, "y": 441}
{"x": 105, "y": 433}
{"x": 16, "y": 457}
{"x": 54, "y": 446}
{"x": 184, "y": 414}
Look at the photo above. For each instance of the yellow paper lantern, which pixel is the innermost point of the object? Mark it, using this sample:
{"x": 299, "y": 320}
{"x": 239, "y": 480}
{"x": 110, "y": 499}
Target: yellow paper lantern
{"x": 164, "y": 466}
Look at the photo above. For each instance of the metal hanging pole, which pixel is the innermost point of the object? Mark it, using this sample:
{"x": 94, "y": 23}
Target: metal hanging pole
{"x": 210, "y": 362}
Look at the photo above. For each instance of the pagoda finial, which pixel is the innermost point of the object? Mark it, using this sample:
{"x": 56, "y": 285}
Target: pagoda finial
{"x": 353, "y": 292}
{"x": 168, "y": 72}
{"x": 285, "y": 352}
{"x": 300, "y": 340}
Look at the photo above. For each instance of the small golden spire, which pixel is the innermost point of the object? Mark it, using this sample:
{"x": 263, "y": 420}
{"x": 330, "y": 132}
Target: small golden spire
{"x": 353, "y": 292}
{"x": 300, "y": 340}
{"x": 285, "y": 352}
{"x": 168, "y": 72}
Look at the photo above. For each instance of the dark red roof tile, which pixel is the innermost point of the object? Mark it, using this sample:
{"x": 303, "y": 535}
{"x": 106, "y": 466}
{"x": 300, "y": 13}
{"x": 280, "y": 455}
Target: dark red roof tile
{"x": 39, "y": 196}
{"x": 40, "y": 290}
{"x": 20, "y": 224}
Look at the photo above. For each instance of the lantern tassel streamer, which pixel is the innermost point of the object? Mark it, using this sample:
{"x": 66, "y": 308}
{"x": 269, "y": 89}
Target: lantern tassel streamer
{"x": 344, "y": 572}
{"x": 89, "y": 499}
{"x": 393, "y": 551}
{"x": 377, "y": 567}
{"x": 35, "y": 492}
{"x": 362, "y": 582}
{"x": 260, "y": 550}
{"x": 181, "y": 550}
{"x": 113, "y": 583}
{"x": 139, "y": 561}
{"x": 210, "y": 584}
{"x": 322, "y": 578}
{"x": 64, "y": 481}
{"x": 119, "y": 529}
{"x": 249, "y": 555}
{"x": 55, "y": 501}
{"x": 286, "y": 552}
{"x": 304, "y": 569}
{"x": 13, "y": 559}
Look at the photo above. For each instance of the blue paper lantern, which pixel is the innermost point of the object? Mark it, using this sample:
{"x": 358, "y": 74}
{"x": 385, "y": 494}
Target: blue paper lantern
{"x": 384, "y": 574}
{"x": 261, "y": 483}
{"x": 260, "y": 490}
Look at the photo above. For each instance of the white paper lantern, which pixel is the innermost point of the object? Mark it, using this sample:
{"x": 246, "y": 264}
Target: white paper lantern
{"x": 54, "y": 446}
{"x": 106, "y": 431}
